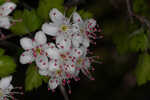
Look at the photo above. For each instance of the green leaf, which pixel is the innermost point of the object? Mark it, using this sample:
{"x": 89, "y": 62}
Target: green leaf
{"x": 45, "y": 79}
{"x": 85, "y": 14}
{"x": 30, "y": 22}
{"x": 7, "y": 65}
{"x": 46, "y": 5}
{"x": 2, "y": 1}
{"x": 142, "y": 71}
{"x": 33, "y": 79}
{"x": 121, "y": 43}
{"x": 141, "y": 7}
{"x": 2, "y": 51}
{"x": 138, "y": 41}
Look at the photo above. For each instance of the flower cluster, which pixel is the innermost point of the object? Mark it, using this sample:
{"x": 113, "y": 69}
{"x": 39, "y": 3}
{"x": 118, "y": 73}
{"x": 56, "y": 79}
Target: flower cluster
{"x": 6, "y": 89}
{"x": 67, "y": 56}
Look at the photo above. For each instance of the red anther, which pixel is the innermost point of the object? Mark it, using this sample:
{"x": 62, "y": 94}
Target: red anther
{"x": 44, "y": 63}
{"x": 92, "y": 78}
{"x": 54, "y": 14}
{"x": 69, "y": 92}
{"x": 49, "y": 89}
{"x": 11, "y": 8}
{"x": 68, "y": 81}
{"x": 41, "y": 60}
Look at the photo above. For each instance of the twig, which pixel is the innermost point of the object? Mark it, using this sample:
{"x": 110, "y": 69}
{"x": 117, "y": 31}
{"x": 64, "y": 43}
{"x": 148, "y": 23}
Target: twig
{"x": 142, "y": 19}
{"x": 130, "y": 10}
{"x": 63, "y": 91}
{"x": 7, "y": 37}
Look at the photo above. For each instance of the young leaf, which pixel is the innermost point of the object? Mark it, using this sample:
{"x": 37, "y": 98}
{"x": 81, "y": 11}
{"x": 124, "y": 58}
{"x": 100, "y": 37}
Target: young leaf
{"x": 30, "y": 22}
{"x": 33, "y": 79}
{"x": 142, "y": 71}
{"x": 7, "y": 65}
{"x": 85, "y": 14}
{"x": 46, "y": 5}
{"x": 2, "y": 51}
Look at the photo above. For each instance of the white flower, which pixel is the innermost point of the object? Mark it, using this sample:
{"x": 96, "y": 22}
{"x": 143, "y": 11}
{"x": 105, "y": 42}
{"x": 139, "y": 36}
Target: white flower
{"x": 6, "y": 88}
{"x": 5, "y": 10}
{"x": 83, "y": 29}
{"x": 35, "y": 50}
{"x": 59, "y": 24}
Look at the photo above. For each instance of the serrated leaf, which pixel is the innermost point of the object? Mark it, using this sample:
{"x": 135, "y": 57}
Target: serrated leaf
{"x": 46, "y": 5}
{"x": 2, "y": 51}
{"x": 142, "y": 71}
{"x": 7, "y": 65}
{"x": 30, "y": 22}
{"x": 138, "y": 42}
{"x": 33, "y": 79}
{"x": 85, "y": 14}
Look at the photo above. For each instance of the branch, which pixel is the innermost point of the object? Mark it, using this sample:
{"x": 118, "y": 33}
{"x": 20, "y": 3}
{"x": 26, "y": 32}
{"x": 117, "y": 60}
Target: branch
{"x": 63, "y": 91}
{"x": 7, "y": 37}
{"x": 142, "y": 19}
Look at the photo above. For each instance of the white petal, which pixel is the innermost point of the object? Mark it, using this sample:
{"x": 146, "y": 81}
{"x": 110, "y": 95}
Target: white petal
{"x": 26, "y": 57}
{"x": 42, "y": 62}
{"x": 26, "y": 43}
{"x": 86, "y": 42}
{"x": 43, "y": 72}
{"x": 77, "y": 40}
{"x": 50, "y": 29}
{"x": 69, "y": 69}
{"x": 52, "y": 51}
{"x": 77, "y": 52}
{"x": 63, "y": 42}
{"x": 75, "y": 28}
{"x": 40, "y": 38}
{"x": 53, "y": 84}
{"x": 53, "y": 66}
{"x": 5, "y": 82}
{"x": 77, "y": 18}
{"x": 5, "y": 22}
{"x": 56, "y": 16}
{"x": 7, "y": 8}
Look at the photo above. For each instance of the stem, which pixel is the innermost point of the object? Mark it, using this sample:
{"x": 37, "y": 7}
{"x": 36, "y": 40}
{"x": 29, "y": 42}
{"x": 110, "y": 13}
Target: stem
{"x": 7, "y": 37}
{"x": 142, "y": 19}
{"x": 63, "y": 91}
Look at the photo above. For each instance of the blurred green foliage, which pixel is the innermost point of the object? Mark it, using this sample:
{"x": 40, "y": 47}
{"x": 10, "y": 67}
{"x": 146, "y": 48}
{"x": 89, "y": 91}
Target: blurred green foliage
{"x": 143, "y": 69}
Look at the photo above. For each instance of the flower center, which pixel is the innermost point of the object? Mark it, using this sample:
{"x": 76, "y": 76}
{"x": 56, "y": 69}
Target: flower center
{"x": 79, "y": 61}
{"x": 64, "y": 28}
{"x": 63, "y": 56}
{"x": 58, "y": 72}
{"x": 82, "y": 30}
{"x": 38, "y": 50}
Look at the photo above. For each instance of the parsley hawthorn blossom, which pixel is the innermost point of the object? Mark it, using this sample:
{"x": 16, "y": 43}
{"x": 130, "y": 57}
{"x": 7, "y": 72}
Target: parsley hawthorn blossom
{"x": 6, "y": 89}
{"x": 35, "y": 50}
{"x": 5, "y": 10}
{"x": 84, "y": 30}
